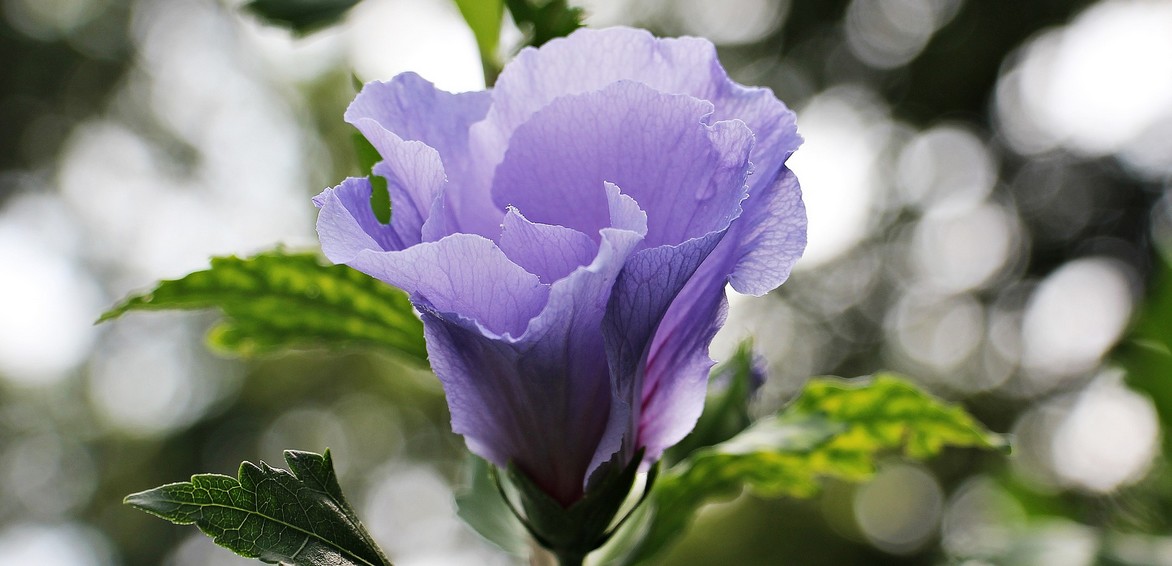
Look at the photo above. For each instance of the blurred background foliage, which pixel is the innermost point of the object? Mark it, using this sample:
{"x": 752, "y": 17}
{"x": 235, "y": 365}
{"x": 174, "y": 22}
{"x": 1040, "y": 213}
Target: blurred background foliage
{"x": 986, "y": 184}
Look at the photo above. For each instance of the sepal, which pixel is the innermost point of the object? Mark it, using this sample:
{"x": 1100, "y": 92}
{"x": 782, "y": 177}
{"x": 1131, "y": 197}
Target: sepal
{"x": 573, "y": 532}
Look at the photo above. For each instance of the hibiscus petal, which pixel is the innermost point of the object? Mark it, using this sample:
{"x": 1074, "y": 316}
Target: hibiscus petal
{"x": 688, "y": 176}
{"x": 675, "y": 377}
{"x": 411, "y": 108}
{"x": 508, "y": 406}
{"x": 545, "y": 250}
{"x": 414, "y": 109}
{"x": 587, "y": 60}
{"x": 348, "y": 224}
{"x": 642, "y": 295}
{"x": 772, "y": 122}
{"x": 590, "y": 59}
{"x": 461, "y": 273}
{"x": 415, "y": 180}
{"x": 625, "y": 213}
{"x": 771, "y": 236}
{"x": 540, "y": 400}
{"x": 759, "y": 250}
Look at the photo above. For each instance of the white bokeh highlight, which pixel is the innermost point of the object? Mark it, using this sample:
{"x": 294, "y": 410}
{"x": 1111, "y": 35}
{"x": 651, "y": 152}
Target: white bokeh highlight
{"x": 846, "y": 130}
{"x": 1098, "y": 86}
{"x": 49, "y": 301}
{"x": 388, "y": 37}
{"x": 958, "y": 250}
{"x": 886, "y": 34}
{"x": 1108, "y": 438}
{"x": 898, "y": 510}
{"x": 23, "y": 544}
{"x": 1074, "y": 316}
{"x": 409, "y": 511}
{"x": 945, "y": 167}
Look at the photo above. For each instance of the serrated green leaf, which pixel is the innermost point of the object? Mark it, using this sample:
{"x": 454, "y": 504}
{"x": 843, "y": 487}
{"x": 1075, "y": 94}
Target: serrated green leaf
{"x": 484, "y": 18}
{"x": 480, "y": 504}
{"x": 298, "y": 518}
{"x": 301, "y": 16}
{"x": 279, "y": 300}
{"x": 836, "y": 428}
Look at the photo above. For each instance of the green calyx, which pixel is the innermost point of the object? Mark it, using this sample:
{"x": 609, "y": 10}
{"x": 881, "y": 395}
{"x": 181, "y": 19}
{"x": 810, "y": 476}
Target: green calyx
{"x": 573, "y": 532}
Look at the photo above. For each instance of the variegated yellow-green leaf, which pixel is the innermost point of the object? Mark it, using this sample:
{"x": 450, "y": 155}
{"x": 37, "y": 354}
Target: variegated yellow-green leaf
{"x": 836, "y": 428}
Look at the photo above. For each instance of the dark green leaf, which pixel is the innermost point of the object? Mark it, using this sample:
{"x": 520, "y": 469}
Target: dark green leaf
{"x": 380, "y": 198}
{"x": 365, "y": 152}
{"x": 298, "y": 518}
{"x": 543, "y": 20}
{"x": 280, "y": 300}
{"x": 484, "y": 17}
{"x": 301, "y": 16}
{"x": 836, "y": 428}
{"x": 481, "y": 506}
{"x": 1147, "y": 352}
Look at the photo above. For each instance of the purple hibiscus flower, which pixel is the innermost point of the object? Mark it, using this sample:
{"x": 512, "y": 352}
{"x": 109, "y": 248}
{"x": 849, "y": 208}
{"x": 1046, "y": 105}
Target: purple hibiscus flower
{"x": 567, "y": 238}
